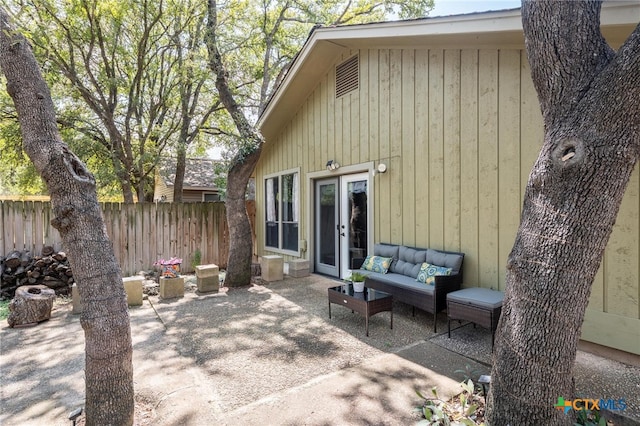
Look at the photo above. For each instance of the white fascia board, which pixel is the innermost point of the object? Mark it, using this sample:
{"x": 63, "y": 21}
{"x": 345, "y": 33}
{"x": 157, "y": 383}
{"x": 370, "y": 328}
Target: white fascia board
{"x": 475, "y": 23}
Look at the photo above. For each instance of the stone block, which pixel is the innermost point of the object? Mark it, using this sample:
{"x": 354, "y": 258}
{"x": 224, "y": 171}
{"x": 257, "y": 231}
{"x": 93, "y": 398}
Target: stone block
{"x": 76, "y": 308}
{"x": 208, "y": 284}
{"x": 208, "y": 278}
{"x": 133, "y": 288}
{"x": 272, "y": 268}
{"x": 206, "y": 271}
{"x": 298, "y": 268}
{"x": 171, "y": 287}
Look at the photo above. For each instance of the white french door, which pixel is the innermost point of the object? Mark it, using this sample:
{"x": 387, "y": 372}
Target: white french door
{"x": 341, "y": 222}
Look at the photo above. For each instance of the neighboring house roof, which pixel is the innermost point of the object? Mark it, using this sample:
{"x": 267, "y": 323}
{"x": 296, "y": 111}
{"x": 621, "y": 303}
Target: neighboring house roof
{"x": 199, "y": 173}
{"x": 473, "y": 30}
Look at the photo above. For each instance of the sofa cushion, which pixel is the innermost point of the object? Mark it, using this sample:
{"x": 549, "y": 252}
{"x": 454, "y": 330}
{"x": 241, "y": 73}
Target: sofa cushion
{"x": 449, "y": 260}
{"x": 412, "y": 255}
{"x": 428, "y": 273}
{"x": 385, "y": 250}
{"x": 400, "y": 280}
{"x": 476, "y": 296}
{"x": 409, "y": 261}
{"x": 376, "y": 264}
{"x": 405, "y": 268}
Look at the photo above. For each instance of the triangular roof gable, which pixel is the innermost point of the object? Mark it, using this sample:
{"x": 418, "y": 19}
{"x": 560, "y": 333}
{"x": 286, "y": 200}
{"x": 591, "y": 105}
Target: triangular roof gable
{"x": 475, "y": 30}
{"x": 199, "y": 173}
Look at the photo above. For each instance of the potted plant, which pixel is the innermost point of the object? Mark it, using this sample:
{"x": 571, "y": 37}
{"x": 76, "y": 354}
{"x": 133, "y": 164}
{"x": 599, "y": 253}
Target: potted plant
{"x": 357, "y": 279}
{"x": 169, "y": 268}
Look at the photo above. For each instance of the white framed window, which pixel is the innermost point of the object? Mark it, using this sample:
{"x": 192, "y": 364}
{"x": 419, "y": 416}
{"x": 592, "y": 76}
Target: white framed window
{"x": 282, "y": 211}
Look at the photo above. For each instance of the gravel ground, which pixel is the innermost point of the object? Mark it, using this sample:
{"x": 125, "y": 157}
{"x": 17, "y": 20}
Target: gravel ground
{"x": 282, "y": 331}
{"x": 259, "y": 348}
{"x": 595, "y": 377}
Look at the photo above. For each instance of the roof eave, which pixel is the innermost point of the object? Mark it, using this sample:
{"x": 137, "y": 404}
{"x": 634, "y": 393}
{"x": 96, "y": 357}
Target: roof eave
{"x": 475, "y": 30}
{"x": 325, "y": 44}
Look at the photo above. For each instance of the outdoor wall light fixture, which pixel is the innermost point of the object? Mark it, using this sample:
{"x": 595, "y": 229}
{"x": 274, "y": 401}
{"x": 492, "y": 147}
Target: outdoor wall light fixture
{"x": 382, "y": 168}
{"x": 332, "y": 165}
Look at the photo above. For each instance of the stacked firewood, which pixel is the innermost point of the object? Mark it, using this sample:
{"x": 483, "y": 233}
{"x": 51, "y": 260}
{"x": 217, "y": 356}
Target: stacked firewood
{"x": 20, "y": 268}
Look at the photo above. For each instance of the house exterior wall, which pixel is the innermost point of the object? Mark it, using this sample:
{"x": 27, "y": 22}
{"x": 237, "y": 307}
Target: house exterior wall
{"x": 188, "y": 195}
{"x": 192, "y": 195}
{"x": 459, "y": 130}
{"x": 161, "y": 189}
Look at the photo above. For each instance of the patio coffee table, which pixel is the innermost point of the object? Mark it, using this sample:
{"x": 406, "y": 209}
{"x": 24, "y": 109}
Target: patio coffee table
{"x": 367, "y": 303}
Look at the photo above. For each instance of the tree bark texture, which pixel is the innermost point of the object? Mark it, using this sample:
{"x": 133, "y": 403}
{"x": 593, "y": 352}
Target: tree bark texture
{"x": 249, "y": 149}
{"x": 590, "y": 101}
{"x": 178, "y": 182}
{"x": 77, "y": 216}
{"x": 31, "y": 305}
{"x": 240, "y": 235}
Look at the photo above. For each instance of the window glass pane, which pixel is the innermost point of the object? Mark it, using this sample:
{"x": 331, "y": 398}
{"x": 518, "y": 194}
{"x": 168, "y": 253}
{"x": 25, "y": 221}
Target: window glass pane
{"x": 282, "y": 211}
{"x": 271, "y": 191}
{"x": 287, "y": 198}
{"x": 271, "y": 211}
{"x": 296, "y": 198}
{"x": 290, "y": 236}
{"x": 271, "y": 235}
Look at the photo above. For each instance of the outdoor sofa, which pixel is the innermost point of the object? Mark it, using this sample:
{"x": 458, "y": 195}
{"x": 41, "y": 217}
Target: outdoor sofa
{"x": 413, "y": 275}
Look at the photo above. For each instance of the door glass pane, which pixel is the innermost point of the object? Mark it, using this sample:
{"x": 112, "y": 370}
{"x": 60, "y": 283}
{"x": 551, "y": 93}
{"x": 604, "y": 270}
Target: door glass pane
{"x": 357, "y": 195}
{"x": 327, "y": 225}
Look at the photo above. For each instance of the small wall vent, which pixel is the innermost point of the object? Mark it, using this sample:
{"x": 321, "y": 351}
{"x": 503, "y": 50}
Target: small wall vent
{"x": 347, "y": 76}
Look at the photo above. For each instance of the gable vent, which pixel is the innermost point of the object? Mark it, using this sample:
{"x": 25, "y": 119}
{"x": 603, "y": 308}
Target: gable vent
{"x": 347, "y": 76}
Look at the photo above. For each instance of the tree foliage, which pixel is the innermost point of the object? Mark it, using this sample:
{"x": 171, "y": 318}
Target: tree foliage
{"x": 133, "y": 82}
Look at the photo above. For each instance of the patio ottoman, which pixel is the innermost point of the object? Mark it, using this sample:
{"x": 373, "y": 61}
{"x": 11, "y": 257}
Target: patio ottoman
{"x": 480, "y": 306}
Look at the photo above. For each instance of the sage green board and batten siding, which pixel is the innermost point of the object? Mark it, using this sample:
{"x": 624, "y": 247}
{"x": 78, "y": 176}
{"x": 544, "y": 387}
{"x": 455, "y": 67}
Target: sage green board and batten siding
{"x": 447, "y": 123}
{"x": 423, "y": 114}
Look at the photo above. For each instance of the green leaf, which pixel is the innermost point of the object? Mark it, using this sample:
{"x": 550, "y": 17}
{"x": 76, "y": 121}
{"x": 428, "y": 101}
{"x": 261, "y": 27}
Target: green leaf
{"x": 468, "y": 386}
{"x": 427, "y": 413}
{"x": 463, "y": 400}
{"x": 471, "y": 409}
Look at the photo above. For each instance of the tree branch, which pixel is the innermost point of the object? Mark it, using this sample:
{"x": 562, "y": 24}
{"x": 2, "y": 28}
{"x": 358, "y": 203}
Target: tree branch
{"x": 222, "y": 83}
{"x": 566, "y": 51}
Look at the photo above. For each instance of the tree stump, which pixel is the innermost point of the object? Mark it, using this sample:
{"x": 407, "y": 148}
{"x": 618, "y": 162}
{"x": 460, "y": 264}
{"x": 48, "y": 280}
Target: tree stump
{"x": 32, "y": 304}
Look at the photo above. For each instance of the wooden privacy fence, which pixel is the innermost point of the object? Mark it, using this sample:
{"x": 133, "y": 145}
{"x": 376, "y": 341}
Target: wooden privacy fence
{"x": 141, "y": 233}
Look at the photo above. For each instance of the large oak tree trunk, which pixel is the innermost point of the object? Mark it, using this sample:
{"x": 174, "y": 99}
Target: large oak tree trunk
{"x": 590, "y": 101}
{"x": 178, "y": 181}
{"x": 240, "y": 233}
{"x": 105, "y": 317}
{"x": 249, "y": 149}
